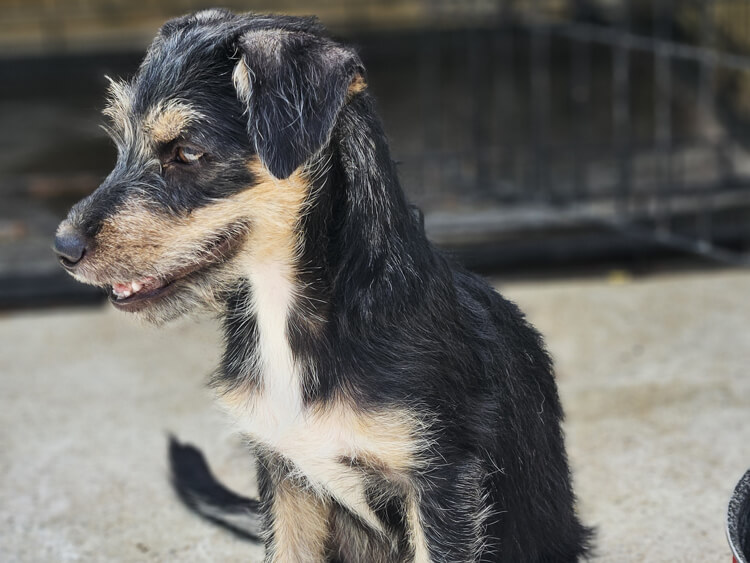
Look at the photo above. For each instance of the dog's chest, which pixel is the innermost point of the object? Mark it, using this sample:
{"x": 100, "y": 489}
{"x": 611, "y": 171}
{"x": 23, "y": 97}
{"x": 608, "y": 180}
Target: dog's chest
{"x": 316, "y": 440}
{"x": 320, "y": 445}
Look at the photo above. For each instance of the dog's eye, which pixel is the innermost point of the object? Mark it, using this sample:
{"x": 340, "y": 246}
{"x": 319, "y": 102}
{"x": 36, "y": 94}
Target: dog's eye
{"x": 188, "y": 155}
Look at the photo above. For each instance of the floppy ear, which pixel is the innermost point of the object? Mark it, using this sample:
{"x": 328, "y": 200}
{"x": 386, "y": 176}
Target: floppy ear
{"x": 294, "y": 85}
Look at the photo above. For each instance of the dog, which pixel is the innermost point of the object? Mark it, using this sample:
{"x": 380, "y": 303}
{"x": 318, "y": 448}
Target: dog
{"x": 398, "y": 407}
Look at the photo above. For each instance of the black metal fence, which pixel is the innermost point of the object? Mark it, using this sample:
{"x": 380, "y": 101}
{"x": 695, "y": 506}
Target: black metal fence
{"x": 629, "y": 116}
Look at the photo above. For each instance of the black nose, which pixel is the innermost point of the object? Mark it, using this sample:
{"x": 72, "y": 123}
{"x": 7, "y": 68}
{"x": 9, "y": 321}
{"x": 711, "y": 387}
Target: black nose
{"x": 70, "y": 246}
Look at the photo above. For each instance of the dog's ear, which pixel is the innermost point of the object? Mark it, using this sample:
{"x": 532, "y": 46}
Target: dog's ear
{"x": 294, "y": 85}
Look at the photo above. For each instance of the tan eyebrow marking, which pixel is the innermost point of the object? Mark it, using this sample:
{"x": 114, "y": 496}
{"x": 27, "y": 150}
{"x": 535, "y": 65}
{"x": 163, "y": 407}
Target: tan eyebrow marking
{"x": 167, "y": 121}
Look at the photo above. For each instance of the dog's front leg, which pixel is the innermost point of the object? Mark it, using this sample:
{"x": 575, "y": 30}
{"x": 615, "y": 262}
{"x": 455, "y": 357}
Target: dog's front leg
{"x": 296, "y": 519}
{"x": 445, "y": 515}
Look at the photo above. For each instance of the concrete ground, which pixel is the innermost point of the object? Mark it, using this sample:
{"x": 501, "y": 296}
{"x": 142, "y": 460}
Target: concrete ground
{"x": 654, "y": 374}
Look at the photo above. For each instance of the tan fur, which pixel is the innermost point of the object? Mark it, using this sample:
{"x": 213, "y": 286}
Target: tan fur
{"x": 167, "y": 121}
{"x": 278, "y": 206}
{"x": 299, "y": 524}
{"x": 382, "y": 440}
{"x": 138, "y": 242}
{"x": 357, "y": 85}
{"x": 163, "y": 122}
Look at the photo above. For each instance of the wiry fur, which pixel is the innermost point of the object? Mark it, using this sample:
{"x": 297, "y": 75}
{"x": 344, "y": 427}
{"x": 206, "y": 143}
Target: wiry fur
{"x": 399, "y": 408}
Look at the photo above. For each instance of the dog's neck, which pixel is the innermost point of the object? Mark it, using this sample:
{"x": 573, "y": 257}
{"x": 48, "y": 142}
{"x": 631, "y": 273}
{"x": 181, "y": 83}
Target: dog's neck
{"x": 363, "y": 257}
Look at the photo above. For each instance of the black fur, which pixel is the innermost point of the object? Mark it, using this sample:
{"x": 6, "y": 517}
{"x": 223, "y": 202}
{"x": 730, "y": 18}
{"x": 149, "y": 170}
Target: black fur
{"x": 200, "y": 491}
{"x": 382, "y": 318}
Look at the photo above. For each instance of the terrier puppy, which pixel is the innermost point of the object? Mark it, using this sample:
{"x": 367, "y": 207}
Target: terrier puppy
{"x": 398, "y": 407}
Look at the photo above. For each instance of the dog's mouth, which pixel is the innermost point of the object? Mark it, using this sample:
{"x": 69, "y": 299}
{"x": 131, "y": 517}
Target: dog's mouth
{"x": 132, "y": 296}
{"x": 135, "y": 295}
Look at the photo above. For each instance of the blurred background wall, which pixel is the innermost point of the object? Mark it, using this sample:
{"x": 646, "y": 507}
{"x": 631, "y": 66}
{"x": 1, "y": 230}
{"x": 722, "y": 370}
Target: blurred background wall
{"x": 530, "y": 132}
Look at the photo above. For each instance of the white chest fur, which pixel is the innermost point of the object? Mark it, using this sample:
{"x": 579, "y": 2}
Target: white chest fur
{"x": 275, "y": 414}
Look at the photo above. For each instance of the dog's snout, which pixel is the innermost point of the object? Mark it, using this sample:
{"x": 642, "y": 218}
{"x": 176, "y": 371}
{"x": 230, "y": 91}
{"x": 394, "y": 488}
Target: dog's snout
{"x": 70, "y": 245}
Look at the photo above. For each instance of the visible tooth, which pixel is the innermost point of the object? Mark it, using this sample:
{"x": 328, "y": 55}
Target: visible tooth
{"x": 136, "y": 286}
{"x": 125, "y": 293}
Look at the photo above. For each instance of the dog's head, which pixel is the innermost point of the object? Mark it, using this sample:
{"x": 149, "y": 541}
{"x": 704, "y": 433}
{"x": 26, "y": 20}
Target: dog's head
{"x": 214, "y": 135}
